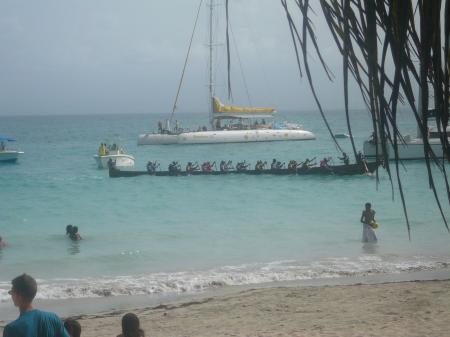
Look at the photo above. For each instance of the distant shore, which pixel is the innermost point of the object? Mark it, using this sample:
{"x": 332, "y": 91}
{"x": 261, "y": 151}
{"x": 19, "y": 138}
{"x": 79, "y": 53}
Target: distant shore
{"x": 412, "y": 308}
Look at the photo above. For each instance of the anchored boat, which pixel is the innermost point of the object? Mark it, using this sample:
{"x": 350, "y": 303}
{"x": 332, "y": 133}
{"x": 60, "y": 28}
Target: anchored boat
{"x": 241, "y": 132}
{"x": 114, "y": 153}
{"x": 228, "y": 123}
{"x": 8, "y": 155}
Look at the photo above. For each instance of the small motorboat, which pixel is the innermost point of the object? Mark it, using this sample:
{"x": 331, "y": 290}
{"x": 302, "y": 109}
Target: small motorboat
{"x": 114, "y": 153}
{"x": 341, "y": 135}
{"x": 8, "y": 155}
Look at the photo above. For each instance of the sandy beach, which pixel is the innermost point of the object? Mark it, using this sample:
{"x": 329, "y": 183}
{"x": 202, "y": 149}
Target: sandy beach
{"x": 419, "y": 308}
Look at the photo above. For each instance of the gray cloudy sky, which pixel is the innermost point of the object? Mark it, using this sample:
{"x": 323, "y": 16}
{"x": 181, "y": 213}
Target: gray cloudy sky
{"x": 111, "y": 56}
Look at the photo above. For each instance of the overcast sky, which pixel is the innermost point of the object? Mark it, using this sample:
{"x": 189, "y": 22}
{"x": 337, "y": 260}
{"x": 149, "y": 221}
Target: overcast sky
{"x": 111, "y": 56}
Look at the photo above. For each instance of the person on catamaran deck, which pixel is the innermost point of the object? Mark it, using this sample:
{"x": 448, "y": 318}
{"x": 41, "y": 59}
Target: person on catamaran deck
{"x": 345, "y": 158}
{"x": 160, "y": 127}
{"x": 367, "y": 218}
{"x": 2, "y": 146}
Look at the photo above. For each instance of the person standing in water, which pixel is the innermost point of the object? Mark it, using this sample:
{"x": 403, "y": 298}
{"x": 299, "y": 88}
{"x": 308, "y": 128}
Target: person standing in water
{"x": 368, "y": 217}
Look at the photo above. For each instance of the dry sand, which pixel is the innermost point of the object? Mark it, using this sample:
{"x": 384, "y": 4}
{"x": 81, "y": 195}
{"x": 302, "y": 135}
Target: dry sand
{"x": 420, "y": 308}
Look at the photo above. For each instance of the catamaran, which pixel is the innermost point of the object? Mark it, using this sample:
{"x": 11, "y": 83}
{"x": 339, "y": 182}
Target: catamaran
{"x": 228, "y": 123}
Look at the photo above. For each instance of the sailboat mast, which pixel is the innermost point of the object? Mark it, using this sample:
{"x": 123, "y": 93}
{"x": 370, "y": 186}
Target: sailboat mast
{"x": 210, "y": 84}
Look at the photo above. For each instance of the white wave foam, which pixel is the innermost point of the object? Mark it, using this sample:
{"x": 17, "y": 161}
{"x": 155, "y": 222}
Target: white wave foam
{"x": 194, "y": 281}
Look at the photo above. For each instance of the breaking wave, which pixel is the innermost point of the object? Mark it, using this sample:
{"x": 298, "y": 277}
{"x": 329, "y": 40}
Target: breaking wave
{"x": 248, "y": 274}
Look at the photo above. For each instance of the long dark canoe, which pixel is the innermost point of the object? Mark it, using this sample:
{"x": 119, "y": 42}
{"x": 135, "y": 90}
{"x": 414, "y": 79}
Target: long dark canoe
{"x": 340, "y": 170}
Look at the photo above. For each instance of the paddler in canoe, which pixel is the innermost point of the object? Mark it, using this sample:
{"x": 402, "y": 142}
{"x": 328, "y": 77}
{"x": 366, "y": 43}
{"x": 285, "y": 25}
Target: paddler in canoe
{"x": 293, "y": 165}
{"x": 308, "y": 163}
{"x": 190, "y": 167}
{"x": 174, "y": 168}
{"x": 242, "y": 166}
{"x": 225, "y": 166}
{"x": 207, "y": 166}
{"x": 260, "y": 165}
{"x": 345, "y": 158}
{"x": 152, "y": 166}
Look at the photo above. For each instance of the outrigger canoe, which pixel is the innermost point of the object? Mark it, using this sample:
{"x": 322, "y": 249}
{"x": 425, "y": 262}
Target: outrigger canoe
{"x": 340, "y": 170}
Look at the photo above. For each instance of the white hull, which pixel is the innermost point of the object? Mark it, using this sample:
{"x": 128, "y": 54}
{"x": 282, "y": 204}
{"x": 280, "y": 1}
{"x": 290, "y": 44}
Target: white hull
{"x": 9, "y": 155}
{"x": 121, "y": 160}
{"x": 229, "y": 136}
{"x": 413, "y": 149}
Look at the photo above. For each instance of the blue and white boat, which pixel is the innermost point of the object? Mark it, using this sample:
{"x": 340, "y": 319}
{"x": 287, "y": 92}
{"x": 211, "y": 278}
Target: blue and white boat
{"x": 7, "y": 154}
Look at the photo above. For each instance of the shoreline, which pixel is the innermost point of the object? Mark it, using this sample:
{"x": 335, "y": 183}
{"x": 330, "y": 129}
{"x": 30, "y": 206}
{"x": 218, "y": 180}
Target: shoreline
{"x": 198, "y": 314}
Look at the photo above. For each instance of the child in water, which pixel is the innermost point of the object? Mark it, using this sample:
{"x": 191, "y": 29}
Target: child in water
{"x": 72, "y": 231}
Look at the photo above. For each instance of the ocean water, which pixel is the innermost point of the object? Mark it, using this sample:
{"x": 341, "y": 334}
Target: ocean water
{"x": 157, "y": 235}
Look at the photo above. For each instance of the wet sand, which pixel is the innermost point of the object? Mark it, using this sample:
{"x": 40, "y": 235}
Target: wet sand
{"x": 417, "y": 308}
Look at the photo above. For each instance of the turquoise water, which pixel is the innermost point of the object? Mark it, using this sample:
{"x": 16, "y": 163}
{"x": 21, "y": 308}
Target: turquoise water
{"x": 149, "y": 235}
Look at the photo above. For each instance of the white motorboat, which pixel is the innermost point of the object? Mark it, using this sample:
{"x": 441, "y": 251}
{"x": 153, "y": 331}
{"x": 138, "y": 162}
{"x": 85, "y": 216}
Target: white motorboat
{"x": 115, "y": 154}
{"x": 8, "y": 155}
{"x": 341, "y": 135}
{"x": 411, "y": 148}
{"x": 228, "y": 123}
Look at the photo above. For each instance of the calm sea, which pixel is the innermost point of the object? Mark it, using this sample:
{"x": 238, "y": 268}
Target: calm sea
{"x": 149, "y": 235}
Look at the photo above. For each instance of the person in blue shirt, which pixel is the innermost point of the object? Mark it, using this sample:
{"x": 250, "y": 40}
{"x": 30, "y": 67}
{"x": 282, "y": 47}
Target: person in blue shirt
{"x": 31, "y": 322}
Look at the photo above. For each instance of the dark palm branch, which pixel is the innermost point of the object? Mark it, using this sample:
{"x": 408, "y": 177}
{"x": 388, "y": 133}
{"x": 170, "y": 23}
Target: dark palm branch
{"x": 367, "y": 33}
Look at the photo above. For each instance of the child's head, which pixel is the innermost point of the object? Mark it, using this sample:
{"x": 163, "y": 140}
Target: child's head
{"x": 131, "y": 326}
{"x": 72, "y": 327}
{"x": 69, "y": 229}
